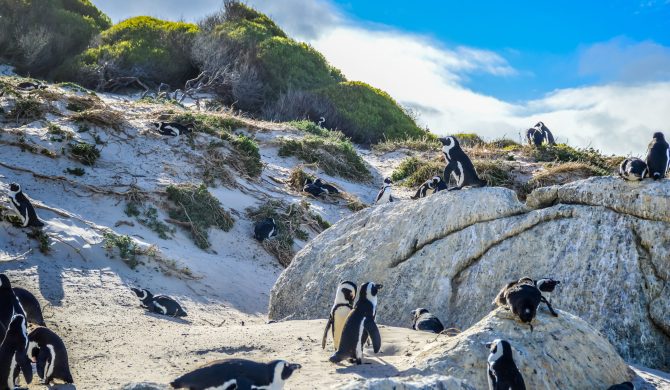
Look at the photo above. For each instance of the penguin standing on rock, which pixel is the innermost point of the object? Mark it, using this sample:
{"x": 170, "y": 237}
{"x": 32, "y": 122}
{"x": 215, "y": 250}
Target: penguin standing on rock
{"x": 13, "y": 355}
{"x": 633, "y": 169}
{"x": 547, "y": 286}
{"x": 344, "y": 301}
{"x": 384, "y": 195}
{"x": 523, "y": 298}
{"x": 47, "y": 350}
{"x": 160, "y": 304}
{"x": 658, "y": 157}
{"x": 265, "y": 229}
{"x": 502, "y": 372}
{"x": 172, "y": 129}
{"x": 359, "y": 325}
{"x": 22, "y": 206}
{"x": 30, "y": 305}
{"x": 425, "y": 321}
{"x": 237, "y": 374}
{"x": 459, "y": 165}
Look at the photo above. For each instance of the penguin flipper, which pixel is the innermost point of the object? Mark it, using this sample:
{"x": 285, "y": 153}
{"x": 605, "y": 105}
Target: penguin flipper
{"x": 551, "y": 309}
{"x": 373, "y": 332}
{"x": 24, "y": 363}
{"x": 325, "y": 332}
{"x": 42, "y": 362}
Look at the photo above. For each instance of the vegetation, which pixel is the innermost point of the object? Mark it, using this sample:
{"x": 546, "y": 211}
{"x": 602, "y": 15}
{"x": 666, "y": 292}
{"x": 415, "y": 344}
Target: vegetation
{"x": 495, "y": 172}
{"x": 309, "y": 127}
{"x": 127, "y": 248}
{"x": 469, "y": 140}
{"x": 36, "y": 36}
{"x": 207, "y": 123}
{"x": 561, "y": 173}
{"x": 298, "y": 177}
{"x": 27, "y": 108}
{"x": 42, "y": 239}
{"x": 368, "y": 115}
{"x": 151, "y": 49}
{"x": 58, "y": 134}
{"x": 85, "y": 153}
{"x": 423, "y": 144}
{"x": 334, "y": 154}
{"x": 194, "y": 207}
{"x": 566, "y": 153}
{"x": 148, "y": 216}
{"x": 75, "y": 171}
{"x": 103, "y": 117}
{"x": 247, "y": 154}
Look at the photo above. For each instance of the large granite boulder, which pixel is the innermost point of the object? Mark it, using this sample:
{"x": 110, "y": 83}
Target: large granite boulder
{"x": 608, "y": 241}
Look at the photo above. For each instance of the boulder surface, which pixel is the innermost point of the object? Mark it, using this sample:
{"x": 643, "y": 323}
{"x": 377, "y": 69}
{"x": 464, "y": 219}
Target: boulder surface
{"x": 607, "y": 240}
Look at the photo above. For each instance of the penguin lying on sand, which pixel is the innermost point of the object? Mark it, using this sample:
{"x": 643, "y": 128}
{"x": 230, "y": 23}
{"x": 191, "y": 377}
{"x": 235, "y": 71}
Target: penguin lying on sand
{"x": 633, "y": 169}
{"x": 523, "y": 298}
{"x": 265, "y": 229}
{"x": 658, "y": 157}
{"x": 48, "y": 351}
{"x": 160, "y": 304}
{"x": 313, "y": 189}
{"x": 502, "y": 372}
{"x": 344, "y": 301}
{"x": 172, "y": 129}
{"x": 30, "y": 305}
{"x": 359, "y": 325}
{"x": 329, "y": 188}
{"x": 459, "y": 165}
{"x": 30, "y": 86}
{"x": 384, "y": 195}
{"x": 237, "y": 374}
{"x": 425, "y": 321}
{"x": 22, "y": 207}
{"x": 13, "y": 355}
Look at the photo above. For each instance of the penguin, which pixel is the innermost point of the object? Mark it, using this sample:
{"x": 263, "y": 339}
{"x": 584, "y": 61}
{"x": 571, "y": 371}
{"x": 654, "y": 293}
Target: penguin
{"x": 547, "y": 136}
{"x": 658, "y": 157}
{"x": 173, "y": 129}
{"x": 160, "y": 304}
{"x": 547, "y": 286}
{"x": 30, "y": 86}
{"x": 633, "y": 169}
{"x": 523, "y": 298}
{"x": 425, "y": 321}
{"x": 622, "y": 386}
{"x": 422, "y": 191}
{"x": 459, "y": 165}
{"x": 330, "y": 189}
{"x": 344, "y": 301}
{"x": 13, "y": 354}
{"x": 384, "y": 195}
{"x": 47, "y": 350}
{"x": 238, "y": 374}
{"x": 30, "y": 305}
{"x": 22, "y": 206}
{"x": 9, "y": 304}
{"x": 439, "y": 184}
{"x": 265, "y": 229}
{"x": 313, "y": 189}
{"x": 502, "y": 372}
{"x": 359, "y": 325}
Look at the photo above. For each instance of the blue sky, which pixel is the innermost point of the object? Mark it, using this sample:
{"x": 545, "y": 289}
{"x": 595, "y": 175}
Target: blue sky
{"x": 596, "y": 72}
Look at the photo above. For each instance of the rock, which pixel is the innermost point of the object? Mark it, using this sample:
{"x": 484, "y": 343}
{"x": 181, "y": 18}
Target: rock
{"x": 437, "y": 382}
{"x": 562, "y": 352}
{"x": 144, "y": 386}
{"x": 453, "y": 251}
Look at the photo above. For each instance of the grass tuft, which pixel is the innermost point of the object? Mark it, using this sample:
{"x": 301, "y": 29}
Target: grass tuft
{"x": 297, "y": 178}
{"x": 207, "y": 123}
{"x": 469, "y": 140}
{"x": 127, "y": 248}
{"x": 27, "y": 108}
{"x": 423, "y": 144}
{"x": 495, "y": 172}
{"x": 85, "y": 153}
{"x": 101, "y": 117}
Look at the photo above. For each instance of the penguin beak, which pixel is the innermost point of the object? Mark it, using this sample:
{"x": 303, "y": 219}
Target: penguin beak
{"x": 379, "y": 286}
{"x": 294, "y": 366}
{"x": 488, "y": 345}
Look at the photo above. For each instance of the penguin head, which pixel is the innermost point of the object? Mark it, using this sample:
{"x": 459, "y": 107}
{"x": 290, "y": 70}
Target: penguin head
{"x": 283, "y": 369}
{"x": 449, "y": 142}
{"x": 5, "y": 284}
{"x": 388, "y": 181}
{"x": 14, "y": 188}
{"x": 658, "y": 136}
{"x": 436, "y": 180}
{"x": 539, "y": 125}
{"x": 318, "y": 182}
{"x": 346, "y": 292}
{"x": 157, "y": 124}
{"x": 18, "y": 327}
{"x": 498, "y": 348}
{"x": 142, "y": 293}
{"x": 369, "y": 291}
{"x": 416, "y": 313}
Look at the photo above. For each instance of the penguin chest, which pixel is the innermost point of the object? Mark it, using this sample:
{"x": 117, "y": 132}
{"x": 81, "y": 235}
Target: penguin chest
{"x": 339, "y": 318}
{"x": 386, "y": 196}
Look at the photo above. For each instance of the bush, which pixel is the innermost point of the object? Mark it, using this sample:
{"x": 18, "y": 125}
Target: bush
{"x": 208, "y": 124}
{"x": 559, "y": 174}
{"x": 127, "y": 248}
{"x": 334, "y": 154}
{"x": 309, "y": 127}
{"x": 248, "y": 154}
{"x": 302, "y": 105}
{"x": 495, "y": 172}
{"x": 414, "y": 172}
{"x": 298, "y": 177}
{"x": 151, "y": 49}
{"x": 85, "y": 153}
{"x": 197, "y": 209}
{"x": 27, "y": 108}
{"x": 367, "y": 114}
{"x": 566, "y": 153}
{"x": 36, "y": 36}
{"x": 425, "y": 144}
{"x": 469, "y": 140}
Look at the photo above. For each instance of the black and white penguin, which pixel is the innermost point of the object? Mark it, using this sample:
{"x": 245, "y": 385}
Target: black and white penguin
{"x": 344, "y": 303}
{"x": 9, "y": 304}
{"x": 329, "y": 188}
{"x": 31, "y": 306}
{"x": 312, "y": 189}
{"x": 13, "y": 355}
{"x": 22, "y": 206}
{"x": 547, "y": 286}
{"x": 633, "y": 169}
{"x": 622, "y": 386}
{"x": 658, "y": 157}
{"x": 238, "y": 374}
{"x": 422, "y": 191}
{"x": 459, "y": 165}
{"x": 523, "y": 298}
{"x": 160, "y": 304}
{"x": 30, "y": 86}
{"x": 172, "y": 129}
{"x": 425, "y": 321}
{"x": 548, "y": 137}
{"x": 439, "y": 184}
{"x": 360, "y": 325}
{"x": 384, "y": 195}
{"x": 48, "y": 351}
{"x": 502, "y": 372}
{"x": 534, "y": 137}
{"x": 265, "y": 229}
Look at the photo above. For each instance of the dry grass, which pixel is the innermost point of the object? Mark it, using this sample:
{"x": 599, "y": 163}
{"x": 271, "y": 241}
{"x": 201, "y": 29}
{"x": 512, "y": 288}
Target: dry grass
{"x": 214, "y": 167}
{"x": 495, "y": 172}
{"x": 559, "y": 174}
{"x": 106, "y": 117}
{"x": 423, "y": 144}
{"x": 298, "y": 176}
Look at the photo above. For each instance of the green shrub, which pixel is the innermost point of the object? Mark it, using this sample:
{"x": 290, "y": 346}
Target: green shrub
{"x": 407, "y": 168}
{"x": 151, "y": 49}
{"x": 469, "y": 140}
{"x": 298, "y": 177}
{"x": 369, "y": 115}
{"x": 505, "y": 144}
{"x": 495, "y": 172}
{"x": 424, "y": 144}
{"x": 247, "y": 153}
{"x": 566, "y": 153}
{"x": 36, "y": 36}
{"x": 196, "y": 208}
{"x": 208, "y": 124}
{"x": 414, "y": 174}
{"x": 42, "y": 239}
{"x": 85, "y": 153}
{"x": 334, "y": 154}
{"x": 309, "y": 127}
{"x": 127, "y": 248}
{"x": 148, "y": 216}
{"x": 27, "y": 108}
